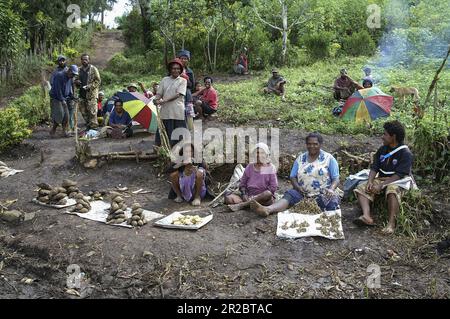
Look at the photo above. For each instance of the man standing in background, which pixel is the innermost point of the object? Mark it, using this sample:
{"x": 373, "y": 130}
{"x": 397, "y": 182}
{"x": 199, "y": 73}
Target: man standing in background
{"x": 89, "y": 82}
{"x": 58, "y": 98}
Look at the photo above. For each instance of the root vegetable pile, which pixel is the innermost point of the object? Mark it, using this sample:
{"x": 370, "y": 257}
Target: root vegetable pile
{"x": 137, "y": 216}
{"x": 117, "y": 210}
{"x": 52, "y": 195}
{"x": 70, "y": 187}
{"x": 83, "y": 205}
{"x": 187, "y": 220}
{"x": 307, "y": 206}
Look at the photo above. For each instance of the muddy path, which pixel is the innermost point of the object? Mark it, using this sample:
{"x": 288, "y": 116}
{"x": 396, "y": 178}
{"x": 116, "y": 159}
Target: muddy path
{"x": 104, "y": 45}
{"x": 236, "y": 255}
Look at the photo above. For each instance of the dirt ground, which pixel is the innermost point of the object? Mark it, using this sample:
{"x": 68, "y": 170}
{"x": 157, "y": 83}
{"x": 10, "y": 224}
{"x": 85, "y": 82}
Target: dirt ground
{"x": 236, "y": 255}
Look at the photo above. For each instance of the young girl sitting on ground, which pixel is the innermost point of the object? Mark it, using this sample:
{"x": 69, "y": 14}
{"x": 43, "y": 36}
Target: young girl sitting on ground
{"x": 188, "y": 181}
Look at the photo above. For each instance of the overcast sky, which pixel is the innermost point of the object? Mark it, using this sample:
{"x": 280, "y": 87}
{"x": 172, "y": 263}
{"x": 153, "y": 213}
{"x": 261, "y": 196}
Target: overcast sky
{"x": 118, "y": 10}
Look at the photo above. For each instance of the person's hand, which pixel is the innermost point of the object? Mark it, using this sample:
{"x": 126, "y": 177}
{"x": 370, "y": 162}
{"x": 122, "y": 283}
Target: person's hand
{"x": 301, "y": 189}
{"x": 377, "y": 188}
{"x": 245, "y": 198}
{"x": 329, "y": 192}
{"x": 369, "y": 187}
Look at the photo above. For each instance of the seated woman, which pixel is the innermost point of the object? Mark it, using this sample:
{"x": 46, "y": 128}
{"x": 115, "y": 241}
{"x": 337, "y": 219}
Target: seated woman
{"x": 207, "y": 101}
{"x": 188, "y": 181}
{"x": 315, "y": 174}
{"x": 258, "y": 183}
{"x": 120, "y": 122}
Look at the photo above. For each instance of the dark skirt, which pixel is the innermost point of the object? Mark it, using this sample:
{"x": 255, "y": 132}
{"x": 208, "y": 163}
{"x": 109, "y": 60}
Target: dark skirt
{"x": 170, "y": 126}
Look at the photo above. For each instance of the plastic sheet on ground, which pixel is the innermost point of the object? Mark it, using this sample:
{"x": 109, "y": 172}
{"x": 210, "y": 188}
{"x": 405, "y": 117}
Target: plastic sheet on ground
{"x": 99, "y": 212}
{"x": 10, "y": 172}
{"x": 70, "y": 202}
{"x": 286, "y": 219}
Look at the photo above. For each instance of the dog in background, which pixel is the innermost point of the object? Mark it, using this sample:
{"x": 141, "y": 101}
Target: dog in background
{"x": 403, "y": 92}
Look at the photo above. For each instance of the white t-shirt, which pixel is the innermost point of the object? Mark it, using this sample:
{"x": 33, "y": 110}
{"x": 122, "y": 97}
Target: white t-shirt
{"x": 168, "y": 88}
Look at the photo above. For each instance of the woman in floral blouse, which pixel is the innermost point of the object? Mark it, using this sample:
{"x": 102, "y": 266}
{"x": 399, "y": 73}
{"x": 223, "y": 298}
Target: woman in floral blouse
{"x": 315, "y": 174}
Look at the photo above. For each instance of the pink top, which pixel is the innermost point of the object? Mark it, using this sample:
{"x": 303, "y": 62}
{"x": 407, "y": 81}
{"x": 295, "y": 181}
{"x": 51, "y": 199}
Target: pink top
{"x": 257, "y": 182}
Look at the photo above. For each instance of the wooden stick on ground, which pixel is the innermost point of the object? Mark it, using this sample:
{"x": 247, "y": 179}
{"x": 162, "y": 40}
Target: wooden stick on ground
{"x": 223, "y": 192}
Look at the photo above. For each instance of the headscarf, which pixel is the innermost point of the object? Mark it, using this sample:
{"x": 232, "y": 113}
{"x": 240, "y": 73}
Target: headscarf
{"x": 185, "y": 53}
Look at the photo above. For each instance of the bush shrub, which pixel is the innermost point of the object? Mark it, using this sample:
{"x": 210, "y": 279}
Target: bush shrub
{"x": 33, "y": 106}
{"x": 359, "y": 43}
{"x": 13, "y": 128}
{"x": 318, "y": 44}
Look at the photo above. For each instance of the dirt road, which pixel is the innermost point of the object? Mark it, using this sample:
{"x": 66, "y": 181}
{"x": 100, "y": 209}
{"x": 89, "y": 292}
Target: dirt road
{"x": 104, "y": 46}
{"x": 236, "y": 255}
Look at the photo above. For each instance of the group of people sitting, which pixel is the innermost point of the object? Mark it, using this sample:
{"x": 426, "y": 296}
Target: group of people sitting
{"x": 315, "y": 174}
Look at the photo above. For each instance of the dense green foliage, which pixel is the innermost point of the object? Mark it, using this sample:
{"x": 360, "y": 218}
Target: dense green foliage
{"x": 13, "y": 128}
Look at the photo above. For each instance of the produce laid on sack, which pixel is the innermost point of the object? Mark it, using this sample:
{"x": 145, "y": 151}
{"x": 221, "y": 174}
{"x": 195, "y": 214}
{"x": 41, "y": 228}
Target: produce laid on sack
{"x": 301, "y": 227}
{"x": 137, "y": 216}
{"x": 52, "y": 195}
{"x": 187, "y": 220}
{"x": 117, "y": 210}
{"x": 307, "y": 206}
{"x": 329, "y": 225}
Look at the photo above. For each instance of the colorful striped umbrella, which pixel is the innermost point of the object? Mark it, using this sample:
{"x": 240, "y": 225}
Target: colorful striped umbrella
{"x": 140, "y": 108}
{"x": 367, "y": 105}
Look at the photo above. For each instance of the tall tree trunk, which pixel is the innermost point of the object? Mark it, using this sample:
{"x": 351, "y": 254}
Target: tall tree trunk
{"x": 145, "y": 7}
{"x": 284, "y": 15}
{"x": 103, "y": 17}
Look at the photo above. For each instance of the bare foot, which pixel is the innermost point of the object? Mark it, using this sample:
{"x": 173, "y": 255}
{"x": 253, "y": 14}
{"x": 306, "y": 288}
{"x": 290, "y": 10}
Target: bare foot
{"x": 236, "y": 207}
{"x": 196, "y": 202}
{"x": 364, "y": 221}
{"x": 178, "y": 199}
{"x": 259, "y": 209}
{"x": 388, "y": 230}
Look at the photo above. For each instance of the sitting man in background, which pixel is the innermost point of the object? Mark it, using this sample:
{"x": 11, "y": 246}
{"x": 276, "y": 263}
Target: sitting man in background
{"x": 120, "y": 121}
{"x": 208, "y": 101}
{"x": 149, "y": 93}
{"x": 344, "y": 86}
{"x": 132, "y": 87}
{"x": 241, "y": 64}
{"x": 367, "y": 74}
{"x": 392, "y": 162}
{"x": 275, "y": 84}
{"x": 101, "y": 96}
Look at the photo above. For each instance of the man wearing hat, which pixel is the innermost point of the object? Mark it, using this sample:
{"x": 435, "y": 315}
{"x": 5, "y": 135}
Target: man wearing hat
{"x": 61, "y": 62}
{"x": 132, "y": 87}
{"x": 89, "y": 82}
{"x": 185, "y": 56}
{"x": 59, "y": 95}
{"x": 275, "y": 84}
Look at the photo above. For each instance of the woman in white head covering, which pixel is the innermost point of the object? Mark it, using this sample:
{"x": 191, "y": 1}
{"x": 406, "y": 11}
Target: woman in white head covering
{"x": 259, "y": 181}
